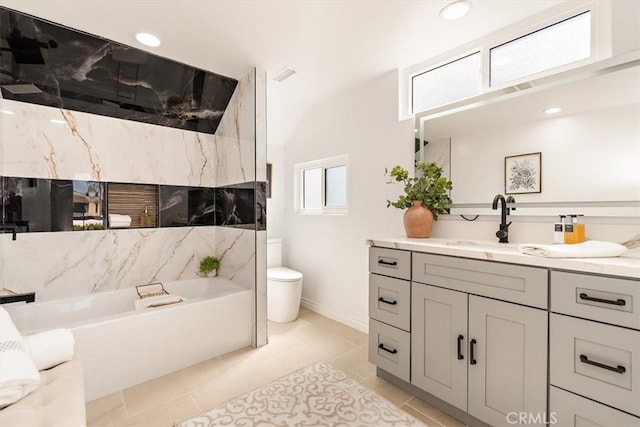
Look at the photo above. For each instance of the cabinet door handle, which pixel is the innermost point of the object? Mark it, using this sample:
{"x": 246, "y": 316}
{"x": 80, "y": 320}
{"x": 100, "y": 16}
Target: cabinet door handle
{"x": 388, "y": 350}
{"x": 381, "y": 299}
{"x": 619, "y": 369}
{"x": 391, "y": 263}
{"x": 460, "y": 356}
{"x": 472, "y": 357}
{"x": 619, "y": 301}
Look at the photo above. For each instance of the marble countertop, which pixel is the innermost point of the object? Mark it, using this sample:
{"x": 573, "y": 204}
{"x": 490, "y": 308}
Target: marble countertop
{"x": 508, "y": 252}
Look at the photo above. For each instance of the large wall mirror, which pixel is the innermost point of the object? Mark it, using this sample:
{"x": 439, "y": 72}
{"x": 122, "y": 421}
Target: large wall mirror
{"x": 590, "y": 151}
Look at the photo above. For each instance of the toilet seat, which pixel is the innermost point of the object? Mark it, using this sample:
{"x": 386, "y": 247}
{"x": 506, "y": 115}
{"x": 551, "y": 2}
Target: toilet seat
{"x": 283, "y": 274}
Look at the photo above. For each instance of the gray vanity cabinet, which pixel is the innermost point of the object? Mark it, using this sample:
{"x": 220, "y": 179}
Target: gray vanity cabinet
{"x": 595, "y": 350}
{"x": 510, "y": 353}
{"x": 439, "y": 341}
{"x": 389, "y": 310}
{"x": 505, "y": 343}
{"x": 478, "y": 354}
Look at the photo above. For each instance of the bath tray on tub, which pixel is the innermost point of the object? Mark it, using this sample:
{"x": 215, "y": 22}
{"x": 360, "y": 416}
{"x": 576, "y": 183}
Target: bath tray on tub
{"x": 154, "y": 295}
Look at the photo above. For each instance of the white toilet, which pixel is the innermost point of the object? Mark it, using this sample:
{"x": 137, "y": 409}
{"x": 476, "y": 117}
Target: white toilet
{"x": 284, "y": 286}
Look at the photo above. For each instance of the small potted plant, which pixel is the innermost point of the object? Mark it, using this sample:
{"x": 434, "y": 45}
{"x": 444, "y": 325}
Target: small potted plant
{"x": 426, "y": 196}
{"x": 209, "y": 266}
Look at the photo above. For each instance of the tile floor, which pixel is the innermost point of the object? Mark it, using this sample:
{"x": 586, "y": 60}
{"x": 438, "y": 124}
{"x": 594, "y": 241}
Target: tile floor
{"x": 190, "y": 391}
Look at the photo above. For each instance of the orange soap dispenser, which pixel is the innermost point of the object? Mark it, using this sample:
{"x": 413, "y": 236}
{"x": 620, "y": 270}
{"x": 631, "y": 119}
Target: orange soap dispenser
{"x": 569, "y": 230}
{"x": 579, "y": 230}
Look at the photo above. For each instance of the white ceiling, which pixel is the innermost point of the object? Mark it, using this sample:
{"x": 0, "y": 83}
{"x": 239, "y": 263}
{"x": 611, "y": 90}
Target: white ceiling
{"x": 332, "y": 44}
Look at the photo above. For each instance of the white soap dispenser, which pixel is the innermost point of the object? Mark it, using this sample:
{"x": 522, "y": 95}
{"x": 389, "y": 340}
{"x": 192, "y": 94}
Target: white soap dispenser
{"x": 558, "y": 230}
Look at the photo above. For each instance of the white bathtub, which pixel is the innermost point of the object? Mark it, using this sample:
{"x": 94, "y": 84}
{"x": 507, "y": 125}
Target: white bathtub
{"x": 120, "y": 347}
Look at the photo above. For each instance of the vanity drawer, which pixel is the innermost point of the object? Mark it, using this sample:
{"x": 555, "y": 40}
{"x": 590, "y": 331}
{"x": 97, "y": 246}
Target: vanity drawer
{"x": 570, "y": 410}
{"x": 599, "y": 361}
{"x": 390, "y": 262}
{"x": 515, "y": 283}
{"x": 390, "y": 301}
{"x": 389, "y": 349}
{"x": 607, "y": 299}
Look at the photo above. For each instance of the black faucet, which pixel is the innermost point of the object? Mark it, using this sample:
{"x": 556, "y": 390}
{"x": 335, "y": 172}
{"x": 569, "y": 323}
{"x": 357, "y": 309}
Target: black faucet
{"x": 503, "y": 233}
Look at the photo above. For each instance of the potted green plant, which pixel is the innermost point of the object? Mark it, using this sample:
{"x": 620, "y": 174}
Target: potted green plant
{"x": 209, "y": 266}
{"x": 425, "y": 196}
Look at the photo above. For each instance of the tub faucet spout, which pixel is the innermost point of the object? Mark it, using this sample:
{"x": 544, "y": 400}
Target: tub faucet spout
{"x": 503, "y": 232}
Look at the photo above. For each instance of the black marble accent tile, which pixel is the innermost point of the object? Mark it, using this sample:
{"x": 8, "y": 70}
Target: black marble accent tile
{"x": 202, "y": 206}
{"x": 186, "y": 206}
{"x": 174, "y": 206}
{"x": 61, "y": 205}
{"x": 235, "y": 206}
{"x": 261, "y": 205}
{"x": 48, "y": 64}
{"x": 33, "y": 204}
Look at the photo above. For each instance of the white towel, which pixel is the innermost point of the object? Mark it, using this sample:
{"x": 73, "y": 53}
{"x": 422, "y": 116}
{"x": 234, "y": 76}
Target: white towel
{"x": 589, "y": 249}
{"x": 50, "y": 348}
{"x": 159, "y": 301}
{"x": 18, "y": 374}
{"x": 119, "y": 221}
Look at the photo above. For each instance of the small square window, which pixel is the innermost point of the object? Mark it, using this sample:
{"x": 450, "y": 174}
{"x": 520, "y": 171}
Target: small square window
{"x": 322, "y": 186}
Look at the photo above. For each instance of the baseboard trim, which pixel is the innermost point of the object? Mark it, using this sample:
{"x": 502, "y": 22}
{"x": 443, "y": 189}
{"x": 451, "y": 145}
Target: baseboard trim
{"x": 349, "y": 321}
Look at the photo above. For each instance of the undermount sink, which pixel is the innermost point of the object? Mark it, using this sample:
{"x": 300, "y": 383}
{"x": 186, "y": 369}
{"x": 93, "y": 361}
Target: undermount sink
{"x": 476, "y": 244}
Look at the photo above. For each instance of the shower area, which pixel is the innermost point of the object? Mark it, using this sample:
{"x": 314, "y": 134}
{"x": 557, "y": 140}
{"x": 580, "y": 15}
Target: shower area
{"x": 120, "y": 168}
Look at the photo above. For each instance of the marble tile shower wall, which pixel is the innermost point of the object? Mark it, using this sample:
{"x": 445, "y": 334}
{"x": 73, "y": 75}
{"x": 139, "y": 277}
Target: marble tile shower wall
{"x": 45, "y": 142}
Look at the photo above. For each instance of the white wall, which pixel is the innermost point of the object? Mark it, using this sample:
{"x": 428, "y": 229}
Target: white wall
{"x": 331, "y": 251}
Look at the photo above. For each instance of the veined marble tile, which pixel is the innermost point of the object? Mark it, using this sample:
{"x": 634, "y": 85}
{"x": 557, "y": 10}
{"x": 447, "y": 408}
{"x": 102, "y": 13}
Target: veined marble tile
{"x": 47, "y": 142}
{"x": 236, "y": 248}
{"x": 235, "y": 150}
{"x": 91, "y": 147}
{"x": 261, "y": 124}
{"x": 85, "y": 262}
{"x": 261, "y": 288}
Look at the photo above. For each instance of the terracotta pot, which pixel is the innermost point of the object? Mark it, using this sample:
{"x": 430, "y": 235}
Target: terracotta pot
{"x": 418, "y": 220}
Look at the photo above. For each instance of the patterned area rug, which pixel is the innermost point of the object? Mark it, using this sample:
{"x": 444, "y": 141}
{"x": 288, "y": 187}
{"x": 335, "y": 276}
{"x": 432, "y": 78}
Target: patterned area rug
{"x": 318, "y": 395}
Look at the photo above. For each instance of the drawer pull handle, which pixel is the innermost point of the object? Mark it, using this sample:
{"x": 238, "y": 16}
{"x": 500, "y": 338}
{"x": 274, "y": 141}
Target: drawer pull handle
{"x": 381, "y": 299}
{"x": 391, "y": 263}
{"x": 604, "y": 301}
{"x": 460, "y": 356}
{"x": 472, "y": 357}
{"x": 388, "y": 350}
{"x": 619, "y": 369}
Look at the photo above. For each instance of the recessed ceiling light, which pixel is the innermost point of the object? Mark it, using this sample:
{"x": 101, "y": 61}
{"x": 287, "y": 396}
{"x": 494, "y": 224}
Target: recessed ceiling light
{"x": 552, "y": 110}
{"x": 6, "y": 112}
{"x": 58, "y": 121}
{"x": 148, "y": 39}
{"x": 455, "y": 10}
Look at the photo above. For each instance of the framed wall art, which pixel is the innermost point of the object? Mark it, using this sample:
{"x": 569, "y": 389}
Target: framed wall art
{"x": 523, "y": 173}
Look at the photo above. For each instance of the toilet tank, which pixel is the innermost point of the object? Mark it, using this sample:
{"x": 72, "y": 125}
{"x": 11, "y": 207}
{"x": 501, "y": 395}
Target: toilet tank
{"x": 274, "y": 253}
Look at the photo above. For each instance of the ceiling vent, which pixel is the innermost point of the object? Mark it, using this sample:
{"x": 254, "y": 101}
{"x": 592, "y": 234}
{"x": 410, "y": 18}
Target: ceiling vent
{"x": 517, "y": 88}
{"x": 285, "y": 73}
